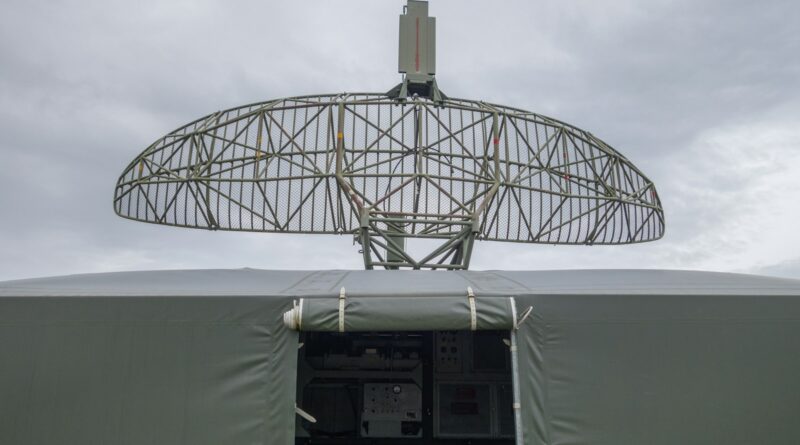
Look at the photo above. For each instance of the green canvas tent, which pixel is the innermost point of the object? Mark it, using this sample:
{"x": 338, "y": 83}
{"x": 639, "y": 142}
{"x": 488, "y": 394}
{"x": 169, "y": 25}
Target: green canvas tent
{"x": 211, "y": 357}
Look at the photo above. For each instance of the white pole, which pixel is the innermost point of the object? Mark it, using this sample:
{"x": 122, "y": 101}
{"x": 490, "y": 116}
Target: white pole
{"x": 515, "y": 382}
{"x": 515, "y": 376}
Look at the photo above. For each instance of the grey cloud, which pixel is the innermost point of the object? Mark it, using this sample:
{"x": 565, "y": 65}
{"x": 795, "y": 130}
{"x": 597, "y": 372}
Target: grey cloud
{"x": 788, "y": 269}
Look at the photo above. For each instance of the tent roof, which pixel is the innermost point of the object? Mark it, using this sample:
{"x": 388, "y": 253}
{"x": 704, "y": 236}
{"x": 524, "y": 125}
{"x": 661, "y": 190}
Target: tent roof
{"x": 254, "y": 282}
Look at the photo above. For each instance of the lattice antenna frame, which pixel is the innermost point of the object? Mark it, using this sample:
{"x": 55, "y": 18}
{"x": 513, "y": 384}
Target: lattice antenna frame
{"x": 385, "y": 170}
{"x": 410, "y": 163}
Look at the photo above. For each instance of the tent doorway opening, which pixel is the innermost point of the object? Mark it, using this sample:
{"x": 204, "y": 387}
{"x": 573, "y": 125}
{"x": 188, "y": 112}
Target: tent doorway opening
{"x": 416, "y": 388}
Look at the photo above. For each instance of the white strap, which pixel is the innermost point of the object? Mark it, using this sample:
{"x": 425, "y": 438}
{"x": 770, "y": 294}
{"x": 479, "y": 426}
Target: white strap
{"x": 473, "y": 314}
{"x": 525, "y": 315}
{"x": 341, "y": 309}
{"x": 518, "y": 321}
{"x": 304, "y": 414}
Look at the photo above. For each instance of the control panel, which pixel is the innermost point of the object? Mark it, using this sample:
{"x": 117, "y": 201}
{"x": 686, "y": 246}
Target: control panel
{"x": 391, "y": 410}
{"x": 449, "y": 351}
{"x": 471, "y": 383}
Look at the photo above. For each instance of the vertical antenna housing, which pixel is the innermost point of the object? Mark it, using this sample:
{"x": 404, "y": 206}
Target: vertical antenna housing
{"x": 417, "y": 54}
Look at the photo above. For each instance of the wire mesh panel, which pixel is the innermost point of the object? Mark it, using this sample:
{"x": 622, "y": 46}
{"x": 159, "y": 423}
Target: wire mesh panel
{"x": 326, "y": 164}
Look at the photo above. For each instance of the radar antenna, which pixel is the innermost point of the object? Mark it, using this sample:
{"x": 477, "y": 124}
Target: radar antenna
{"x": 391, "y": 167}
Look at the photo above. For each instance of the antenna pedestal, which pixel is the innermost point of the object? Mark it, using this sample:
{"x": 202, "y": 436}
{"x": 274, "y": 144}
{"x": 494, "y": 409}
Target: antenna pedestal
{"x": 382, "y": 239}
{"x": 421, "y": 88}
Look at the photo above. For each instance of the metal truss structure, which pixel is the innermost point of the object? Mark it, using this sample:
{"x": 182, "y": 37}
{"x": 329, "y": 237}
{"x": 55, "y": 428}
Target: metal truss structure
{"x": 385, "y": 170}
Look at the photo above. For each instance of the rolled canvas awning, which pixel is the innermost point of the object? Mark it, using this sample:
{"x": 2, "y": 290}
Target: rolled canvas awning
{"x": 343, "y": 314}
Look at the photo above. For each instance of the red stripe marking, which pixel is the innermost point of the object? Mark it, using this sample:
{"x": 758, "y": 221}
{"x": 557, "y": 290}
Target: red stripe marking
{"x": 416, "y": 57}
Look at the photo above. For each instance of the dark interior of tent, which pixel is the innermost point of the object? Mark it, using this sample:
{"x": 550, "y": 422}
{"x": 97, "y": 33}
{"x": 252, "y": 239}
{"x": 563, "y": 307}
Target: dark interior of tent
{"x": 385, "y": 388}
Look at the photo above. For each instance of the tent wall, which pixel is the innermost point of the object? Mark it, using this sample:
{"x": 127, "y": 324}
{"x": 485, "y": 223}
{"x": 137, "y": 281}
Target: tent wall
{"x": 404, "y": 314}
{"x": 661, "y": 370}
{"x": 128, "y": 370}
{"x": 607, "y": 357}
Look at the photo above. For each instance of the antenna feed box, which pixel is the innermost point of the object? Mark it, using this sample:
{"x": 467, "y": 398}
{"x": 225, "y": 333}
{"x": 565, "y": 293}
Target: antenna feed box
{"x": 417, "y": 56}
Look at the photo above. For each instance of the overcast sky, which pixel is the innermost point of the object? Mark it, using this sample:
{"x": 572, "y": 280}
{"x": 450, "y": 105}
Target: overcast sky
{"x": 703, "y": 96}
